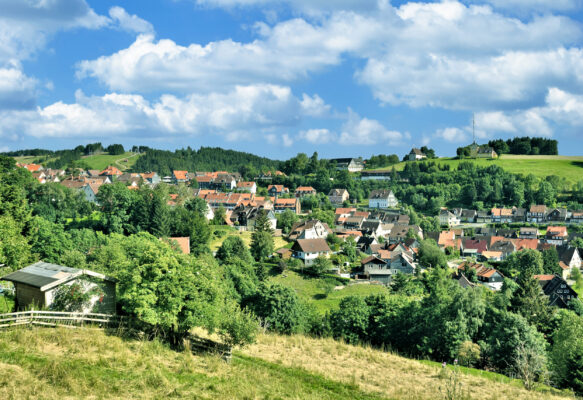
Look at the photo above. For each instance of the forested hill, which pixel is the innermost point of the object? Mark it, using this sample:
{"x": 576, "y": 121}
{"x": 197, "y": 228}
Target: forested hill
{"x": 204, "y": 159}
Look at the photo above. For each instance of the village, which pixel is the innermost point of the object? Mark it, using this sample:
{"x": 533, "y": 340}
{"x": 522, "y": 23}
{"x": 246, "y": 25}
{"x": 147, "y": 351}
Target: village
{"x": 387, "y": 243}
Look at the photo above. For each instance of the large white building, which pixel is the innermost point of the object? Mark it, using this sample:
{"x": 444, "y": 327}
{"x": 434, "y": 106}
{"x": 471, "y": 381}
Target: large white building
{"x": 382, "y": 199}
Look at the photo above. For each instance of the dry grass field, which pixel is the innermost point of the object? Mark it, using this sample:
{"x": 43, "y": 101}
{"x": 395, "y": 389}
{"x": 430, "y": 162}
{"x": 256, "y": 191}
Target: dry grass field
{"x": 48, "y": 363}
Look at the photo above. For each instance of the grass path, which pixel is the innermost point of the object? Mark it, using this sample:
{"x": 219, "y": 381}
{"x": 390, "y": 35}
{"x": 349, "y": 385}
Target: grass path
{"x": 122, "y": 166}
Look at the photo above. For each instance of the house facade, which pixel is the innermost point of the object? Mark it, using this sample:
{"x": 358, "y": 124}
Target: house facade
{"x": 338, "y": 196}
{"x": 308, "y": 250}
{"x": 280, "y": 205}
{"x": 349, "y": 164}
{"x": 382, "y": 199}
{"x": 416, "y": 154}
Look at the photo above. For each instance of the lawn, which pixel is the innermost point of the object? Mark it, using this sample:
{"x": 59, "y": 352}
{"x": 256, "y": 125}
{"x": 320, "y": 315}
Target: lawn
{"x": 102, "y": 161}
{"x": 570, "y": 168}
{"x": 313, "y": 290}
{"x": 222, "y": 232}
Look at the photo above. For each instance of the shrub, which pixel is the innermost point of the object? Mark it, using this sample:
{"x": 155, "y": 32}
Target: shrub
{"x": 469, "y": 354}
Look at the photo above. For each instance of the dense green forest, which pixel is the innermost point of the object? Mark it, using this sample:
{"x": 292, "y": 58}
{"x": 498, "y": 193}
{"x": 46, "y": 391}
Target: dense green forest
{"x": 204, "y": 159}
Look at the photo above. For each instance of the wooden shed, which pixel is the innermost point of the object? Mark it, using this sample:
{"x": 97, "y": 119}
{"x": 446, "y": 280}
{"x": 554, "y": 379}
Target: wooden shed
{"x": 36, "y": 285}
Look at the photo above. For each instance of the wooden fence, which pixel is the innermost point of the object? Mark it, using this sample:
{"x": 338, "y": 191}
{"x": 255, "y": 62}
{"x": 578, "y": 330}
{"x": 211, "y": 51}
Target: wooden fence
{"x": 79, "y": 320}
{"x": 54, "y": 318}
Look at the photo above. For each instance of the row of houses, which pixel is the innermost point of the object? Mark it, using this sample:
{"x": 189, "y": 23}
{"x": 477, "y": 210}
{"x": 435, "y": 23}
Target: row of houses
{"x": 539, "y": 214}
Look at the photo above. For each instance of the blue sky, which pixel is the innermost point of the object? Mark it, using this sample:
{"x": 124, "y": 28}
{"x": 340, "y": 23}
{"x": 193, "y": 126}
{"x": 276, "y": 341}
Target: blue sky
{"x": 343, "y": 78}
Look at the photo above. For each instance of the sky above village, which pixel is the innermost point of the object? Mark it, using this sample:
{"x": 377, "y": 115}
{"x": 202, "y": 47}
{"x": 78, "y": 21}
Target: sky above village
{"x": 278, "y": 77}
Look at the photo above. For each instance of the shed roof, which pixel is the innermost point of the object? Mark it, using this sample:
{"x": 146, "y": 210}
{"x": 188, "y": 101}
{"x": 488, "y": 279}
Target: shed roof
{"x": 45, "y": 276}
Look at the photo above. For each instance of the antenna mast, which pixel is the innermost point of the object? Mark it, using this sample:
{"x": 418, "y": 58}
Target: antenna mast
{"x": 474, "y": 127}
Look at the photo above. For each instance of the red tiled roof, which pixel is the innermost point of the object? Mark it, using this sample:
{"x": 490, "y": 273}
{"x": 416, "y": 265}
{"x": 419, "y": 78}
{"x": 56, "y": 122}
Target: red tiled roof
{"x": 340, "y": 211}
{"x": 543, "y": 277}
{"x": 557, "y": 231}
{"x": 180, "y": 175}
{"x": 305, "y": 189}
{"x": 245, "y": 184}
{"x": 110, "y": 171}
{"x": 538, "y": 209}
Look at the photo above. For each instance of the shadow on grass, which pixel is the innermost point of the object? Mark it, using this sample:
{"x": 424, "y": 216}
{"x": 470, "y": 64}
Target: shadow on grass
{"x": 577, "y": 163}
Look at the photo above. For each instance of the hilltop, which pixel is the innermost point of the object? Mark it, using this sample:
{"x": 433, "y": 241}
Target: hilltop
{"x": 63, "y": 363}
{"x": 568, "y": 167}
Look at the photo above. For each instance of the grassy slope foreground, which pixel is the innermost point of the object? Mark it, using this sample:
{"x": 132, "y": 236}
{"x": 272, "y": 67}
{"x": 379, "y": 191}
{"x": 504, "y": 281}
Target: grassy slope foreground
{"x": 570, "y": 168}
{"x": 60, "y": 363}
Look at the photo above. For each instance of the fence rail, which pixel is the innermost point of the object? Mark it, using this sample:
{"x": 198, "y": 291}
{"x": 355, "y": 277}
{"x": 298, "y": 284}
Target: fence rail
{"x": 69, "y": 319}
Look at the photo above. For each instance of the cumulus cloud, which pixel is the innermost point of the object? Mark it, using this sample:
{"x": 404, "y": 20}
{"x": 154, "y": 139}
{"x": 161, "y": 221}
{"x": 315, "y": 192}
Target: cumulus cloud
{"x": 445, "y": 54}
{"x": 452, "y": 135}
{"x": 364, "y": 131}
{"x": 524, "y": 6}
{"x": 234, "y": 115}
{"x": 26, "y": 25}
{"x": 306, "y": 6}
{"x": 17, "y": 91}
{"x": 279, "y": 139}
{"x": 129, "y": 23}
{"x": 317, "y": 136}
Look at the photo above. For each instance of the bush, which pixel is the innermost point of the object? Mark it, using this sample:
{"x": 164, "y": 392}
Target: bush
{"x": 469, "y": 354}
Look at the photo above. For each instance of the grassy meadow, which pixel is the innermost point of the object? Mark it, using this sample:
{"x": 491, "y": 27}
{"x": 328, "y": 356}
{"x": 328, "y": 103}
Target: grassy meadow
{"x": 320, "y": 292}
{"x": 102, "y": 161}
{"x": 570, "y": 168}
{"x": 222, "y": 232}
{"x": 49, "y": 363}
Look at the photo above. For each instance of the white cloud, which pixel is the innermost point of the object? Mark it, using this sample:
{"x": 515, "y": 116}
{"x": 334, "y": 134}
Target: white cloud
{"x": 452, "y": 135}
{"x": 522, "y": 6}
{"x": 317, "y": 136}
{"x": 279, "y": 139}
{"x": 315, "y": 106}
{"x": 26, "y": 25}
{"x": 238, "y": 114}
{"x": 306, "y": 6}
{"x": 130, "y": 23}
{"x": 17, "y": 91}
{"x": 444, "y": 54}
{"x": 364, "y": 131}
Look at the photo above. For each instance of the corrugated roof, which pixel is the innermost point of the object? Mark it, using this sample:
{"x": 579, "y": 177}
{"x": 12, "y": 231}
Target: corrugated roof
{"x": 41, "y": 274}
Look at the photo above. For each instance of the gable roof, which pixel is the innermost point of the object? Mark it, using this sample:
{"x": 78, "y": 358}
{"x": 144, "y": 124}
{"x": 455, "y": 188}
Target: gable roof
{"x": 180, "y": 175}
{"x": 111, "y": 171}
{"x": 46, "y": 276}
{"x": 312, "y": 245}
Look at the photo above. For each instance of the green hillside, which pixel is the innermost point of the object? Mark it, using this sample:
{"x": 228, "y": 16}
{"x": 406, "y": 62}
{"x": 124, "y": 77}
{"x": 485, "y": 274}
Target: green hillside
{"x": 570, "y": 168}
{"x": 121, "y": 161}
{"x": 47, "y": 363}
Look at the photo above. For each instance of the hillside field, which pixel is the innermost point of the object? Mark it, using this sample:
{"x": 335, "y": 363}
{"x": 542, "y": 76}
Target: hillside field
{"x": 102, "y": 161}
{"x": 313, "y": 290}
{"x": 59, "y": 363}
{"x": 570, "y": 168}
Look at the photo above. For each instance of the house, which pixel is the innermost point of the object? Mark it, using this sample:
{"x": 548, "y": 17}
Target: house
{"x": 447, "y": 218}
{"x": 483, "y": 217}
{"x": 224, "y": 181}
{"x": 486, "y": 276}
{"x": 376, "y": 175}
{"x": 180, "y": 177}
{"x": 110, "y": 171}
{"x": 354, "y": 222}
{"x": 416, "y": 154}
{"x": 377, "y": 269}
{"x": 204, "y": 182}
{"x": 90, "y": 190}
{"x": 483, "y": 152}
{"x": 245, "y": 217}
{"x": 302, "y": 191}
{"x": 250, "y": 187}
{"x": 280, "y": 205}
{"x": 382, "y": 199}
{"x": 557, "y": 235}
{"x": 373, "y": 228}
{"x": 399, "y": 233}
{"x": 151, "y": 178}
{"x": 465, "y": 215}
{"x": 277, "y": 190}
{"x": 491, "y": 256}
{"x": 338, "y": 196}
{"x": 308, "y": 250}
{"x": 570, "y": 257}
{"x": 348, "y": 164}
{"x": 506, "y": 247}
{"x": 310, "y": 229}
{"x": 528, "y": 233}
{"x": 576, "y": 218}
{"x": 518, "y": 214}
{"x": 501, "y": 215}
{"x": 473, "y": 247}
{"x": 557, "y": 215}
{"x": 32, "y": 167}
{"x": 556, "y": 288}
{"x": 364, "y": 243}
{"x": 284, "y": 253}
{"x": 537, "y": 214}
{"x": 448, "y": 239}
{"x": 37, "y": 284}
